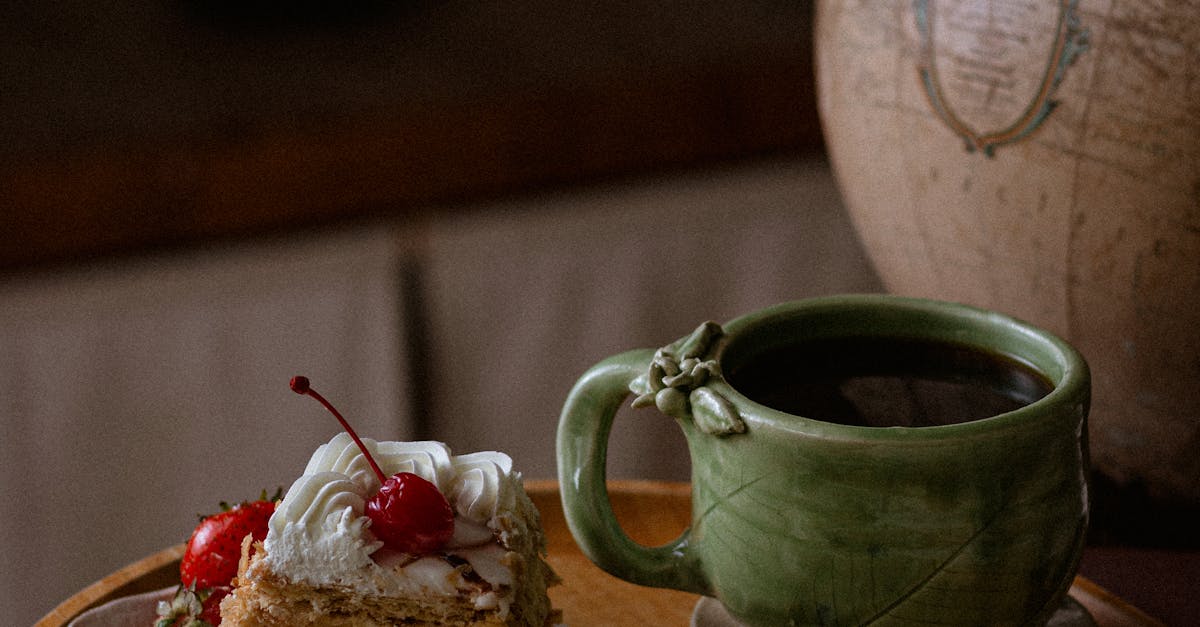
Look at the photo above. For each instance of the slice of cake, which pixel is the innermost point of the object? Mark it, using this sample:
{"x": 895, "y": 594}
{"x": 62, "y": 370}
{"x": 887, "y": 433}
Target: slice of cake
{"x": 322, "y": 564}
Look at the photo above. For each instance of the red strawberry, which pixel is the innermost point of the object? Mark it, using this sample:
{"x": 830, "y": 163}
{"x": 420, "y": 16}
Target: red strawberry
{"x": 192, "y": 608}
{"x": 212, "y": 605}
{"x": 212, "y": 554}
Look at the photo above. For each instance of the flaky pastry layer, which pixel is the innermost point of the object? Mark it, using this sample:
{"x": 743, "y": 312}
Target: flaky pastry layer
{"x": 263, "y": 599}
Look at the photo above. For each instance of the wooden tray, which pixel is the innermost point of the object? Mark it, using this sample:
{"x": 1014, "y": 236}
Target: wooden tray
{"x": 651, "y": 512}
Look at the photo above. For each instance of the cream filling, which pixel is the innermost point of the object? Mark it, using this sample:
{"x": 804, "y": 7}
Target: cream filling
{"x": 342, "y": 555}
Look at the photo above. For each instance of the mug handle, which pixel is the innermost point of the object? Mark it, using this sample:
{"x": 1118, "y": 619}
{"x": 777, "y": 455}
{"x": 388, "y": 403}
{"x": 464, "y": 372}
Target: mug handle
{"x": 583, "y": 431}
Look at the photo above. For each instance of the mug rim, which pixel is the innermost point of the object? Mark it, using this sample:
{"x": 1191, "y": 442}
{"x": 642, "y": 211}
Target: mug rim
{"x": 1071, "y": 386}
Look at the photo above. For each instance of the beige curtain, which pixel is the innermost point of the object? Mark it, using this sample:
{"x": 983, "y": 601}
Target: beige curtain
{"x": 522, "y": 297}
{"x": 139, "y": 394}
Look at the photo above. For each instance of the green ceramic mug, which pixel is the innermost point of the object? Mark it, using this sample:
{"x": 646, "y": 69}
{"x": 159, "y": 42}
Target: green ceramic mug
{"x": 799, "y": 519}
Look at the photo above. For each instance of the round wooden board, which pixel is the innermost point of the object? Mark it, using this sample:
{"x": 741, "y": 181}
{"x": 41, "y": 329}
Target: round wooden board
{"x": 651, "y": 512}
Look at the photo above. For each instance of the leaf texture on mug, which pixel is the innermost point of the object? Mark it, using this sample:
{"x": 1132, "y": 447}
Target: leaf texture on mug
{"x": 884, "y": 557}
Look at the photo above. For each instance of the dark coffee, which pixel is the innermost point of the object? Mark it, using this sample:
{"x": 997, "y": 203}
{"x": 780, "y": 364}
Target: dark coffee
{"x": 883, "y": 382}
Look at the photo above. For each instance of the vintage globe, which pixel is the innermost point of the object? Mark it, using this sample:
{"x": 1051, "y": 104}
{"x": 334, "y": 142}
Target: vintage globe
{"x": 1040, "y": 158}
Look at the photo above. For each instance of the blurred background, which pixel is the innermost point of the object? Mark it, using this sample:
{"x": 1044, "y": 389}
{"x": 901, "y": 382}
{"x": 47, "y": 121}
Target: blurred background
{"x": 442, "y": 213}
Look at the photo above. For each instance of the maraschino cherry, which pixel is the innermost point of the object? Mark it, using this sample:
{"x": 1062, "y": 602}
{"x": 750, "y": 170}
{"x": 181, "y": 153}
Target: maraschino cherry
{"x": 409, "y": 514}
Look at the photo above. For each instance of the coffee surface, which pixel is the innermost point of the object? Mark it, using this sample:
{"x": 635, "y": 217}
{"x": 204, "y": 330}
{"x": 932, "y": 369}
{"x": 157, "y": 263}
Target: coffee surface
{"x": 884, "y": 382}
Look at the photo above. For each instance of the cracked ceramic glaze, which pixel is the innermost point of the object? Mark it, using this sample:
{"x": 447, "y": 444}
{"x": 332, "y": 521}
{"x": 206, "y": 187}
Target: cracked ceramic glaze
{"x": 677, "y": 383}
{"x": 797, "y": 521}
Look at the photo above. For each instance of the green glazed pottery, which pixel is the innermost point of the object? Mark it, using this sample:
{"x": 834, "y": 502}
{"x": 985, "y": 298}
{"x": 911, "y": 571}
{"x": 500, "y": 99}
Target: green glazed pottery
{"x": 796, "y": 521}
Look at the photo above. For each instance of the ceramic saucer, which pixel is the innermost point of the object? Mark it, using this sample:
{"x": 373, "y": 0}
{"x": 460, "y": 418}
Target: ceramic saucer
{"x": 131, "y": 611}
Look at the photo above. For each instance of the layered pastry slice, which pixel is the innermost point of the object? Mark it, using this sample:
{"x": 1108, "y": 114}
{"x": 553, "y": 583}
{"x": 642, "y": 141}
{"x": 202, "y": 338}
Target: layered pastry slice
{"x": 322, "y": 563}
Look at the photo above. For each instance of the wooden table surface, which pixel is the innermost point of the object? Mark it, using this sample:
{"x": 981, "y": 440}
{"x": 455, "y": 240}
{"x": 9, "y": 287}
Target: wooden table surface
{"x": 651, "y": 512}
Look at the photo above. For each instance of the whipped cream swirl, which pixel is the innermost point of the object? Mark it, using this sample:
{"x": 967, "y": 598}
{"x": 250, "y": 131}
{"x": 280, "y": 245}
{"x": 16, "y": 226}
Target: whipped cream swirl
{"x": 319, "y": 532}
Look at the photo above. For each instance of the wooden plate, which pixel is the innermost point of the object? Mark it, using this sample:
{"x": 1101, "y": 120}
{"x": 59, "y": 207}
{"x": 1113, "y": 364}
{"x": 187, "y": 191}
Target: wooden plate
{"x": 651, "y": 512}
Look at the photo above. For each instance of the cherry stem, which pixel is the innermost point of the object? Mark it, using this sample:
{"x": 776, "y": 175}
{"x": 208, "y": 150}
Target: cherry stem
{"x": 299, "y": 385}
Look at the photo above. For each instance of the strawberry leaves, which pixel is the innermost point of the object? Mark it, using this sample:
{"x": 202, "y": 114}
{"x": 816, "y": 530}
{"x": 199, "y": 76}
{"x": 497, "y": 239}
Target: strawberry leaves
{"x": 192, "y": 607}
